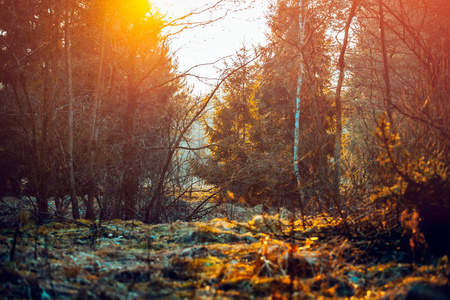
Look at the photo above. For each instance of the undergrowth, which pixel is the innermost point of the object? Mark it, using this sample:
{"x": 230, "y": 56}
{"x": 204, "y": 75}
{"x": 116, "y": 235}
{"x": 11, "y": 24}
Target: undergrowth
{"x": 266, "y": 257}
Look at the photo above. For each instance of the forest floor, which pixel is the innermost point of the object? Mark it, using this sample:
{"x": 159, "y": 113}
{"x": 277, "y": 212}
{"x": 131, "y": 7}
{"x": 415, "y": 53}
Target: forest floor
{"x": 263, "y": 257}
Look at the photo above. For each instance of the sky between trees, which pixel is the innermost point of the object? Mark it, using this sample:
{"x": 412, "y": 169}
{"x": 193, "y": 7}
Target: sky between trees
{"x": 243, "y": 23}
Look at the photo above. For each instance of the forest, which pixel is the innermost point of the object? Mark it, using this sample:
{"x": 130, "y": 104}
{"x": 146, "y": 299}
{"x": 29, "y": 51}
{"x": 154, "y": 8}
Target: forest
{"x": 315, "y": 166}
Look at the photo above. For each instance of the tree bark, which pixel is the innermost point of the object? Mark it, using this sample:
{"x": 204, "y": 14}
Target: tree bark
{"x": 130, "y": 176}
{"x": 93, "y": 139}
{"x": 298, "y": 109}
{"x": 338, "y": 137}
{"x": 73, "y": 195}
{"x": 386, "y": 75}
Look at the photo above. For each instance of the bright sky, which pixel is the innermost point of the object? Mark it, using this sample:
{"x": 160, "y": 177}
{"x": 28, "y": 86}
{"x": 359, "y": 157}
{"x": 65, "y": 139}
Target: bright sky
{"x": 206, "y": 44}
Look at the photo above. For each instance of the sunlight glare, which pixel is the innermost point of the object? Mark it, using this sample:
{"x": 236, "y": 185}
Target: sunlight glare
{"x": 135, "y": 10}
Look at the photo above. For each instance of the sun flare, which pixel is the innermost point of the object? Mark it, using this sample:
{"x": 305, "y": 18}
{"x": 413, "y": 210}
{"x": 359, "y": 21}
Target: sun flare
{"x": 135, "y": 9}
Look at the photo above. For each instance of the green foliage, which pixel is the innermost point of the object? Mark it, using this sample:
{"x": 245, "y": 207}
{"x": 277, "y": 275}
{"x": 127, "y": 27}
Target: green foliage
{"x": 393, "y": 185}
{"x": 414, "y": 181}
{"x": 248, "y": 157}
{"x": 252, "y": 130}
{"x": 420, "y": 187}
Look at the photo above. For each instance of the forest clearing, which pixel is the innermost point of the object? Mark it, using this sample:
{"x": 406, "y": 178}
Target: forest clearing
{"x": 260, "y": 257}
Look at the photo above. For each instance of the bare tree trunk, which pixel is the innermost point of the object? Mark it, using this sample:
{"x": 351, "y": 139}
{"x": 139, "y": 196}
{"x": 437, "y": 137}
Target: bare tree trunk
{"x": 73, "y": 195}
{"x": 387, "y": 80}
{"x": 298, "y": 109}
{"x": 37, "y": 177}
{"x": 93, "y": 139}
{"x": 130, "y": 176}
{"x": 338, "y": 137}
{"x": 26, "y": 109}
